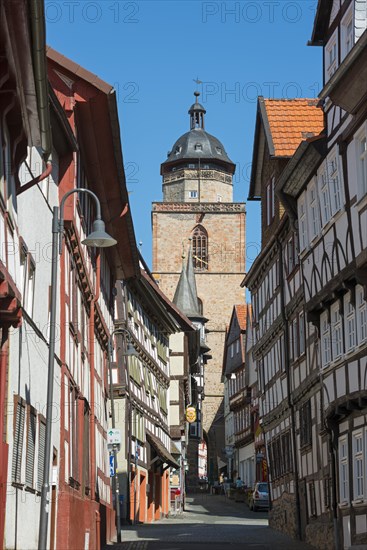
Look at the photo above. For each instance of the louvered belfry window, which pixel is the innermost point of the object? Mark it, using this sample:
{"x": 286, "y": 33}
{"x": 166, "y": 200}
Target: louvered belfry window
{"x": 18, "y": 441}
{"x": 200, "y": 248}
{"x": 41, "y": 454}
{"x": 31, "y": 447}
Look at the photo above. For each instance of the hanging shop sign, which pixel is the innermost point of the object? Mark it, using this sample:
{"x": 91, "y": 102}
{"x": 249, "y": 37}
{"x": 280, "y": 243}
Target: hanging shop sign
{"x": 190, "y": 414}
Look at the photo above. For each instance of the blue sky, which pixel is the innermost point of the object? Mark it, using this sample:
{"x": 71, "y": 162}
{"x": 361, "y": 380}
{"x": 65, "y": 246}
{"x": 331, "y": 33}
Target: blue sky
{"x": 152, "y": 50}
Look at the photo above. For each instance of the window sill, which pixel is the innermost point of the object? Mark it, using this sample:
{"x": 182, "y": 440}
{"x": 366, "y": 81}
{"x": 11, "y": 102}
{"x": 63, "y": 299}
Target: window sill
{"x": 306, "y": 448}
{"x": 18, "y": 484}
{"x": 30, "y": 489}
{"x": 74, "y": 483}
{"x": 359, "y": 502}
{"x": 343, "y": 504}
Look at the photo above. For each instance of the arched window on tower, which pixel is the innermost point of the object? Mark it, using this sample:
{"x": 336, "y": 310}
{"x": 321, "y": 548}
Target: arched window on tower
{"x": 200, "y": 248}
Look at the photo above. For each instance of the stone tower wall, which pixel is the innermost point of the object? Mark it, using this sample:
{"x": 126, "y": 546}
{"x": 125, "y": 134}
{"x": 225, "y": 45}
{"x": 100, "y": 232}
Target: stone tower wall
{"x": 212, "y": 186}
{"x": 218, "y": 287}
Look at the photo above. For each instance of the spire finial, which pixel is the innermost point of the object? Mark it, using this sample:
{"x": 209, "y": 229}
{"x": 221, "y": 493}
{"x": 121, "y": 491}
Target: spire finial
{"x": 196, "y": 110}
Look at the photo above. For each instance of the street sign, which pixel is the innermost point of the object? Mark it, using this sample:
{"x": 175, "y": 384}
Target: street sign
{"x": 113, "y": 436}
{"x": 112, "y": 465}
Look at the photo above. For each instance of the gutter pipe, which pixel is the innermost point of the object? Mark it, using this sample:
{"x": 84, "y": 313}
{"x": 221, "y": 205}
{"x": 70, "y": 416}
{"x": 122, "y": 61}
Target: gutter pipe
{"x": 38, "y": 28}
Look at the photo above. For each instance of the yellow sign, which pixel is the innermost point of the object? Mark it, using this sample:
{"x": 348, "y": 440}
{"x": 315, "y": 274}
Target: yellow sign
{"x": 190, "y": 414}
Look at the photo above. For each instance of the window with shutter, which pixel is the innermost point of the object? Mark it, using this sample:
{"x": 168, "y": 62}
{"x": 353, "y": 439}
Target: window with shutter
{"x": 18, "y": 441}
{"x": 31, "y": 447}
{"x": 41, "y": 453}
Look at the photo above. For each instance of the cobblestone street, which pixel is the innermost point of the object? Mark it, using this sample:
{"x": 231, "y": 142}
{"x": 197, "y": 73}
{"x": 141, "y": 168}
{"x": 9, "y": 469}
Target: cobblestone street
{"x": 210, "y": 521}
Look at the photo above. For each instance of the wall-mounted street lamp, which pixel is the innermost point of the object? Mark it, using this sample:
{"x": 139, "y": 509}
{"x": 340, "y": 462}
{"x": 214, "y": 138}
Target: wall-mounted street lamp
{"x": 98, "y": 238}
{"x": 130, "y": 351}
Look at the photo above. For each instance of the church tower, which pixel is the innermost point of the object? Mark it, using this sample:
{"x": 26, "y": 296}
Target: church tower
{"x": 198, "y": 204}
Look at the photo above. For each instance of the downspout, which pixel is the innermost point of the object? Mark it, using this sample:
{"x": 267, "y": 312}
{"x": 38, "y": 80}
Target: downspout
{"x": 290, "y": 400}
{"x": 38, "y": 29}
{"x": 331, "y": 430}
{"x": 98, "y": 530}
{"x": 92, "y": 367}
{"x": 128, "y": 418}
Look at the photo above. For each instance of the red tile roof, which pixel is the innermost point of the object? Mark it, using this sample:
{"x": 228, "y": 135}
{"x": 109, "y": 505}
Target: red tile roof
{"x": 241, "y": 312}
{"x": 291, "y": 121}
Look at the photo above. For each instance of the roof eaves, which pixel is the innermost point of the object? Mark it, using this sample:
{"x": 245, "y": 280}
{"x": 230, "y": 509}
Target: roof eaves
{"x": 321, "y": 23}
{"x": 116, "y": 138}
{"x": 265, "y": 120}
{"x": 79, "y": 71}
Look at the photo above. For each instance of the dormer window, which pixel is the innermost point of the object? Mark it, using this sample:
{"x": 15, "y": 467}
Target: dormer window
{"x": 219, "y": 150}
{"x": 198, "y": 147}
{"x": 178, "y": 150}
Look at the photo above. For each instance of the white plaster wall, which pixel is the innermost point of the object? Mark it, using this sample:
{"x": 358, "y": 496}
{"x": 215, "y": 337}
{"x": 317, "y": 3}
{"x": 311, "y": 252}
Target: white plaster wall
{"x": 28, "y": 358}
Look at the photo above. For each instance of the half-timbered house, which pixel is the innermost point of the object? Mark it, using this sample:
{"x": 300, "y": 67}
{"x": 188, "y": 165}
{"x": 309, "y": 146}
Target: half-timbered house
{"x": 142, "y": 397}
{"x": 277, "y": 307}
{"x": 237, "y": 405}
{"x": 325, "y": 187}
{"x": 22, "y": 253}
{"x": 87, "y": 110}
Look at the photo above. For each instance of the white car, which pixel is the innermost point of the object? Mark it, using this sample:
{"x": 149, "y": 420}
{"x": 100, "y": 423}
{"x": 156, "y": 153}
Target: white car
{"x": 259, "y": 497}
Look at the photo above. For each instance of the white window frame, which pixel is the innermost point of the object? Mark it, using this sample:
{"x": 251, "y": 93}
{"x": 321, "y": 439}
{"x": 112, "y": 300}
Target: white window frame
{"x": 337, "y": 332}
{"x": 347, "y": 33}
{"x": 334, "y": 176}
{"x": 350, "y": 324}
{"x": 314, "y": 211}
{"x": 294, "y": 336}
{"x": 359, "y": 466}
{"x": 303, "y": 230}
{"x": 302, "y": 334}
{"x": 331, "y": 56}
{"x": 361, "y": 158}
{"x": 325, "y": 340}
{"x": 362, "y": 315}
{"x": 325, "y": 196}
{"x": 343, "y": 470}
{"x": 193, "y": 194}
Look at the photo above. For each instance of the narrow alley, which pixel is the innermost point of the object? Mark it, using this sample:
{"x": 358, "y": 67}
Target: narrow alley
{"x": 209, "y": 522}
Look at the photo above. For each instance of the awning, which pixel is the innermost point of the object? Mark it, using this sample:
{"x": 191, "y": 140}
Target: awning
{"x": 161, "y": 451}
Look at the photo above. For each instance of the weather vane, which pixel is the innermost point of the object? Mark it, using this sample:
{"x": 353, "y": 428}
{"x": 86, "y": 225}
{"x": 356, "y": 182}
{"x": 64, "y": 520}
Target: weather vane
{"x": 197, "y": 82}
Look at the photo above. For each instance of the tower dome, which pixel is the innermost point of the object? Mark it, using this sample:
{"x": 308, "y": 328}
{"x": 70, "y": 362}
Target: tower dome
{"x": 197, "y": 144}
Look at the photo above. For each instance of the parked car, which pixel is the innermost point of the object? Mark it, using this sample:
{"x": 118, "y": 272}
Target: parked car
{"x": 259, "y": 498}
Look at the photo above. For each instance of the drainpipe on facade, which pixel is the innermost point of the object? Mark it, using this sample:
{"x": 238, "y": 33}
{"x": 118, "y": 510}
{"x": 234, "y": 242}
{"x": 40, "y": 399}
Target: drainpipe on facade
{"x": 38, "y": 29}
{"x": 331, "y": 429}
{"x": 290, "y": 401}
{"x": 92, "y": 367}
{"x": 128, "y": 417}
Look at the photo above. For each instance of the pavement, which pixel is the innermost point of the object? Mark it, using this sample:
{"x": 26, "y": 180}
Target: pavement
{"x": 210, "y": 522}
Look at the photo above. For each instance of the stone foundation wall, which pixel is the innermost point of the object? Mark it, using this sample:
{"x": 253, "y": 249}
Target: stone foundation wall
{"x": 283, "y": 515}
{"x": 320, "y": 534}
